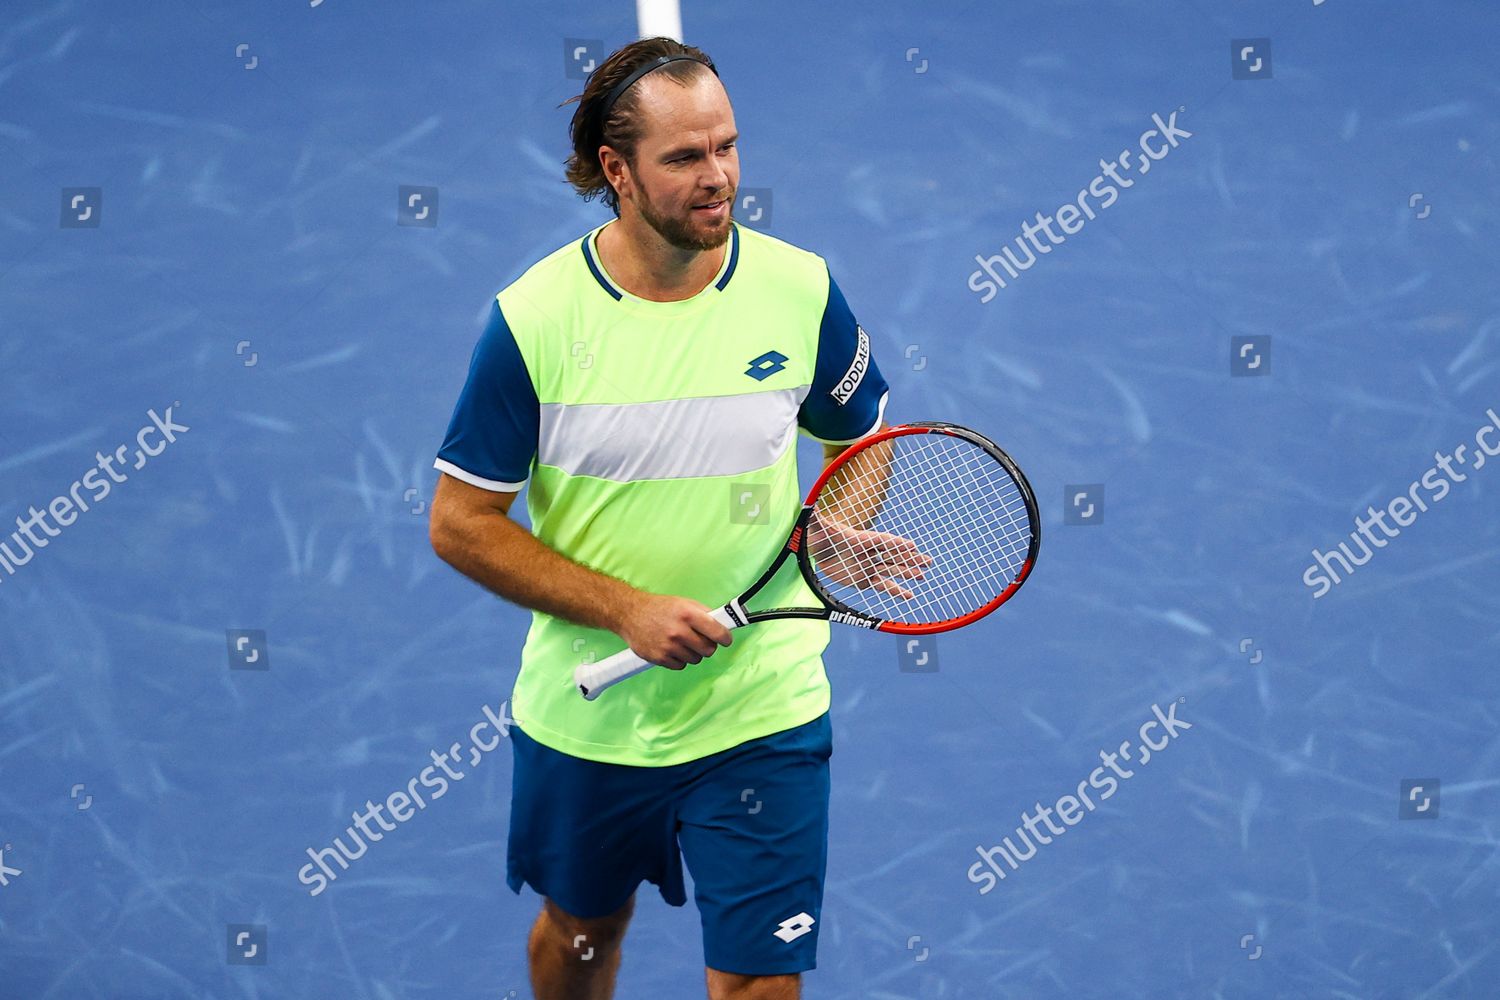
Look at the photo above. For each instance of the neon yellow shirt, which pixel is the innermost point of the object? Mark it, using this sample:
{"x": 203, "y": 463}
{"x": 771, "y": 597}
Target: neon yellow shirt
{"x": 659, "y": 443}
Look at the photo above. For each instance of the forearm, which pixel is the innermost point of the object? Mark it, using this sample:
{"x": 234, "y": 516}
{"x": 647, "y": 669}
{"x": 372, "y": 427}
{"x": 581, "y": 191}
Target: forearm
{"x": 505, "y": 558}
{"x": 856, "y": 492}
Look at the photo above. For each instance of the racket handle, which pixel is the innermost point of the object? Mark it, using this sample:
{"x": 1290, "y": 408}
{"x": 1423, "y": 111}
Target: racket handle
{"x": 593, "y": 679}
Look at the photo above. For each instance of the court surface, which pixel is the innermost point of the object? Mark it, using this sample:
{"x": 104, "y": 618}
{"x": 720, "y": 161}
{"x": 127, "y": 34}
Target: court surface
{"x": 163, "y": 777}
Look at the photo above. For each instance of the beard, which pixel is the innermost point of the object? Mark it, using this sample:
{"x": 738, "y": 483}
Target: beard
{"x": 687, "y": 233}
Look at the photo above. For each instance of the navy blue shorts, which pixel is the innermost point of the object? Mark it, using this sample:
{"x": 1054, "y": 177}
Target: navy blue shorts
{"x": 751, "y": 821}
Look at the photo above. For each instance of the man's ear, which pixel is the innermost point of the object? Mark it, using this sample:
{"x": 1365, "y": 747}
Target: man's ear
{"x": 615, "y": 168}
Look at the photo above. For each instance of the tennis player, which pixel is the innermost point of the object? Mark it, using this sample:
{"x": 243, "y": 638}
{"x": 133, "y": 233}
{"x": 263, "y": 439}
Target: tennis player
{"x": 648, "y": 381}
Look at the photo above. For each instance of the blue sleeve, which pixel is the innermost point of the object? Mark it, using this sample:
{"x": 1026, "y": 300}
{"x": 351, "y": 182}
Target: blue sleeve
{"x": 847, "y": 398}
{"x": 492, "y": 437}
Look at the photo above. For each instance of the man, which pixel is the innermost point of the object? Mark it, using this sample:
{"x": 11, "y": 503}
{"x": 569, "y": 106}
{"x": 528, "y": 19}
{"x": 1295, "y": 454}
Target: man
{"x": 649, "y": 382}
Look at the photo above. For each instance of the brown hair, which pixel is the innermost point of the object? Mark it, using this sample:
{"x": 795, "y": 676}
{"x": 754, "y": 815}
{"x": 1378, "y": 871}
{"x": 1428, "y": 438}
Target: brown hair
{"x": 622, "y": 129}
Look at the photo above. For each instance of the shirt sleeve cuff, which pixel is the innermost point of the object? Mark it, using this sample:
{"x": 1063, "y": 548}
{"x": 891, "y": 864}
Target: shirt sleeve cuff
{"x": 874, "y": 425}
{"x": 494, "y": 485}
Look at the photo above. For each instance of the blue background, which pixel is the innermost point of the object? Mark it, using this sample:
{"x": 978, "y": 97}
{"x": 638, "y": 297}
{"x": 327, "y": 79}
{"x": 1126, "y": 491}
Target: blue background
{"x": 259, "y": 205}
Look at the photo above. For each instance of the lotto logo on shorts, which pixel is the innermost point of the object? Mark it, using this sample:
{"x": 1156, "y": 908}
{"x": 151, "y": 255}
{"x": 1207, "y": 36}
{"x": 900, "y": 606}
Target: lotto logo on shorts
{"x": 792, "y": 928}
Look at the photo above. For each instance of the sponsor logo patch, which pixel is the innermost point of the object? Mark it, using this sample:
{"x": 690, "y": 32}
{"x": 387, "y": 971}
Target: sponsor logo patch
{"x": 856, "y": 373}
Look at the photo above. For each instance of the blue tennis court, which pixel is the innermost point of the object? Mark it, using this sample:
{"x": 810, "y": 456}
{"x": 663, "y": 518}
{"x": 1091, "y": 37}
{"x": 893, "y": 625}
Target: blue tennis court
{"x": 1220, "y": 277}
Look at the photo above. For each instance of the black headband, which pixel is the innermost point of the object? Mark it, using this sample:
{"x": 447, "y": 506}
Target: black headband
{"x": 642, "y": 70}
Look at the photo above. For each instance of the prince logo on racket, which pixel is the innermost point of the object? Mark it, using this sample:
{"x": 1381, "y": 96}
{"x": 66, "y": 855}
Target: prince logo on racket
{"x": 625, "y": 464}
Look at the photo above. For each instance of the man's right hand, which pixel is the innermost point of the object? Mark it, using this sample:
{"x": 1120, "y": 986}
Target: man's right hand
{"x": 670, "y": 631}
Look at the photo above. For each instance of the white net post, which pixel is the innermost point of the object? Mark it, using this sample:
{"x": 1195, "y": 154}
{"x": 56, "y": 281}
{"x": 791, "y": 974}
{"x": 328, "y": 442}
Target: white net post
{"x": 659, "y": 17}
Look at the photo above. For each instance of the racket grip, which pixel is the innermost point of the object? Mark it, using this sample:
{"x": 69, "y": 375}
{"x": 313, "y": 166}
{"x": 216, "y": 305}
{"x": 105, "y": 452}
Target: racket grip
{"x": 593, "y": 679}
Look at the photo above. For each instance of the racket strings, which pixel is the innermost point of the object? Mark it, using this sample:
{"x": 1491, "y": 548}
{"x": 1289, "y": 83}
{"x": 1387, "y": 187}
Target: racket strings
{"x": 964, "y": 564}
{"x": 957, "y": 580}
{"x": 930, "y": 504}
{"x": 979, "y": 570}
{"x": 986, "y": 555}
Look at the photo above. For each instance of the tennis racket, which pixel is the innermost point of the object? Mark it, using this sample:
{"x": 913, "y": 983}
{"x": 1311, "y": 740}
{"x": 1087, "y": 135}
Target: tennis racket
{"x": 921, "y": 528}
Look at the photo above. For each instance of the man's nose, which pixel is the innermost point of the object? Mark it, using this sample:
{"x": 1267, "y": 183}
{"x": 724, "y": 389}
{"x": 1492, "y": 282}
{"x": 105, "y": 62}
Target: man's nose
{"x": 716, "y": 178}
